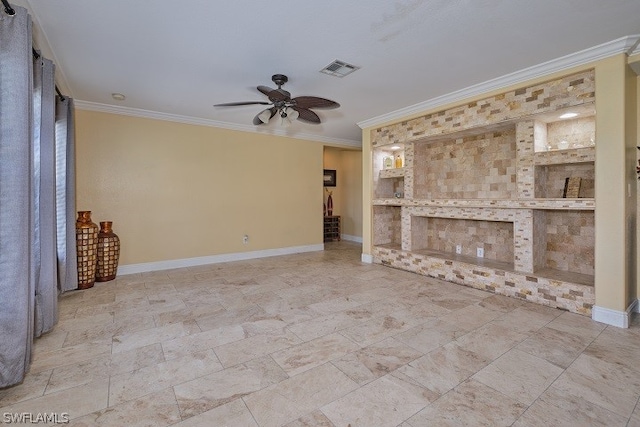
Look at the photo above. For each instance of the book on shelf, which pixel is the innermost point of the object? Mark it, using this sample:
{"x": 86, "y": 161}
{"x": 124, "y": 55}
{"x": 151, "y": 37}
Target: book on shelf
{"x": 572, "y": 187}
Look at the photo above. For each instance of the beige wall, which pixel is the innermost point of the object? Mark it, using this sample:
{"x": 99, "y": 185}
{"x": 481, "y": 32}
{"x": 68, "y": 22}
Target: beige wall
{"x": 615, "y": 214}
{"x": 177, "y": 191}
{"x": 347, "y": 195}
{"x": 631, "y": 153}
{"x": 637, "y": 292}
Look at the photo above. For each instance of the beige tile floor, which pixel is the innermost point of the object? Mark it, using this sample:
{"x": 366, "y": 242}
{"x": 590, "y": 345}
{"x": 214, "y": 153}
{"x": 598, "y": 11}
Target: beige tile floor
{"x": 321, "y": 339}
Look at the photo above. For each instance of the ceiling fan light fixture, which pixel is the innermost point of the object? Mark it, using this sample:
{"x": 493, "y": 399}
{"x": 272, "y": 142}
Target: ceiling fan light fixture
{"x": 265, "y": 116}
{"x": 288, "y": 115}
{"x": 292, "y": 114}
{"x": 289, "y": 109}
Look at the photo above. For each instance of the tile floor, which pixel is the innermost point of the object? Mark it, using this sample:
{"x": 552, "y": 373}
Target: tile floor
{"x": 321, "y": 339}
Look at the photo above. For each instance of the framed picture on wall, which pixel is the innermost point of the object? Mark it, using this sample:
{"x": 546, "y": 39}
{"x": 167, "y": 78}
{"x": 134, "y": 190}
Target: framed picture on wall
{"x": 329, "y": 178}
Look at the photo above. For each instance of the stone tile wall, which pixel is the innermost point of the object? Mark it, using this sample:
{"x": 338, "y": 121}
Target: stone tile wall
{"x": 484, "y": 186}
{"x": 475, "y": 167}
{"x": 540, "y": 239}
{"x": 570, "y": 240}
{"x": 525, "y": 134}
{"x": 443, "y": 234}
{"x": 386, "y": 225}
{"x": 572, "y": 90}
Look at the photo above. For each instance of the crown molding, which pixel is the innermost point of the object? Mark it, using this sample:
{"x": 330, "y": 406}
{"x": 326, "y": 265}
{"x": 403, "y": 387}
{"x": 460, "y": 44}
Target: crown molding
{"x": 156, "y": 115}
{"x": 627, "y": 45}
{"x": 635, "y": 48}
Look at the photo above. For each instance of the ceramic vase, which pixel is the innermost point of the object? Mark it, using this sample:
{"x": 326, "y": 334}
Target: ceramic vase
{"x": 329, "y": 206}
{"x": 108, "y": 253}
{"x": 86, "y": 249}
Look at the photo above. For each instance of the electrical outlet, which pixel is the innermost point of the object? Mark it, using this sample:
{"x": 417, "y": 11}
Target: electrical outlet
{"x": 245, "y": 239}
{"x": 480, "y": 252}
{"x": 458, "y": 249}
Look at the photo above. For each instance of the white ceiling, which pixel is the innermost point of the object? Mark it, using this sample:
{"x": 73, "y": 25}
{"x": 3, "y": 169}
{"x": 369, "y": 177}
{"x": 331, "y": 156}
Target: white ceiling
{"x": 180, "y": 57}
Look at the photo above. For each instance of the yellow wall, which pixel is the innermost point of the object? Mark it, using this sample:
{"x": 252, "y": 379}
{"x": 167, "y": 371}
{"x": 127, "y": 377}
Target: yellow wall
{"x": 176, "y": 191}
{"x": 332, "y": 160}
{"x": 352, "y": 198}
{"x": 635, "y": 61}
{"x": 631, "y": 142}
{"x": 367, "y": 194}
{"x": 347, "y": 195}
{"x": 615, "y": 184}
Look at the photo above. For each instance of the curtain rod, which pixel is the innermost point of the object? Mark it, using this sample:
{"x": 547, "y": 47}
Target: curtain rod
{"x": 10, "y": 11}
{"x": 37, "y": 55}
{"x": 7, "y": 8}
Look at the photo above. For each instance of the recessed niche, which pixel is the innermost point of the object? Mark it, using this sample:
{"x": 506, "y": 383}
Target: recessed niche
{"x": 550, "y": 180}
{"x": 552, "y": 133}
{"x": 481, "y": 166}
{"x": 386, "y": 226}
{"x": 445, "y": 234}
{"x": 387, "y": 188}
{"x": 567, "y": 242}
{"x": 388, "y": 180}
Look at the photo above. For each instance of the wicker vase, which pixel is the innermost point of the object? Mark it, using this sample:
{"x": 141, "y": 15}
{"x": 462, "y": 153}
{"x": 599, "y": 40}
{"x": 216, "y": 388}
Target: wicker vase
{"x": 87, "y": 249}
{"x": 108, "y": 253}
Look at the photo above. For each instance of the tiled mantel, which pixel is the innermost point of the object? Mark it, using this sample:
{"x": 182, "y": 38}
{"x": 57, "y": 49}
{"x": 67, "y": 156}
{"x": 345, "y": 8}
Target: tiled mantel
{"x": 512, "y": 122}
{"x": 552, "y": 204}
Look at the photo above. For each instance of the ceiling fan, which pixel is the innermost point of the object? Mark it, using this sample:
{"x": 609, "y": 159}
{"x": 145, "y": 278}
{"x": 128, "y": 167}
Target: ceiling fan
{"x": 287, "y": 108}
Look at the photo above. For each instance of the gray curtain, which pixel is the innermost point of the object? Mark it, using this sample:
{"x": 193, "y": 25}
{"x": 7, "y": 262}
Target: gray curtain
{"x": 66, "y": 195}
{"x": 17, "y": 217}
{"x": 46, "y": 280}
{"x": 37, "y": 197}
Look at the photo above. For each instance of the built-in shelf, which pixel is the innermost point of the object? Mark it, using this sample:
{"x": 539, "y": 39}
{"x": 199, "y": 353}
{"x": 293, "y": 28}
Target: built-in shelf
{"x": 570, "y": 156}
{"x": 565, "y": 276}
{"x": 481, "y": 262}
{"x": 487, "y": 176}
{"x": 392, "y": 173}
{"x": 587, "y": 204}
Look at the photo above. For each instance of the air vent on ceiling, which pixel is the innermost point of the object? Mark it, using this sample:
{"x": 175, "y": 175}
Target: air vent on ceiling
{"x": 339, "y": 69}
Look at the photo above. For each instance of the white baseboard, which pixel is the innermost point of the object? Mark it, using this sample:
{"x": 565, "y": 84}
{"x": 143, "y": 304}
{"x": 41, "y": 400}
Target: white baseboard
{"x": 214, "y": 259}
{"x": 614, "y": 317}
{"x": 350, "y": 238}
{"x": 367, "y": 258}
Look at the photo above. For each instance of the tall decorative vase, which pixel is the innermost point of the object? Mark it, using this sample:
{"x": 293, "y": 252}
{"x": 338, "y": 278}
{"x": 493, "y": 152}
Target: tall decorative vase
{"x": 329, "y": 205}
{"x": 87, "y": 249}
{"x": 108, "y": 253}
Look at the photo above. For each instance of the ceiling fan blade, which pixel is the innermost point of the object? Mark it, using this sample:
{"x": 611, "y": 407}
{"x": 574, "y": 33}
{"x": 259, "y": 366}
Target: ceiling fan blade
{"x": 234, "y": 104}
{"x": 314, "y": 102}
{"x": 275, "y": 94}
{"x": 256, "y": 119}
{"x": 265, "y": 89}
{"x": 307, "y": 115}
{"x": 279, "y": 95}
